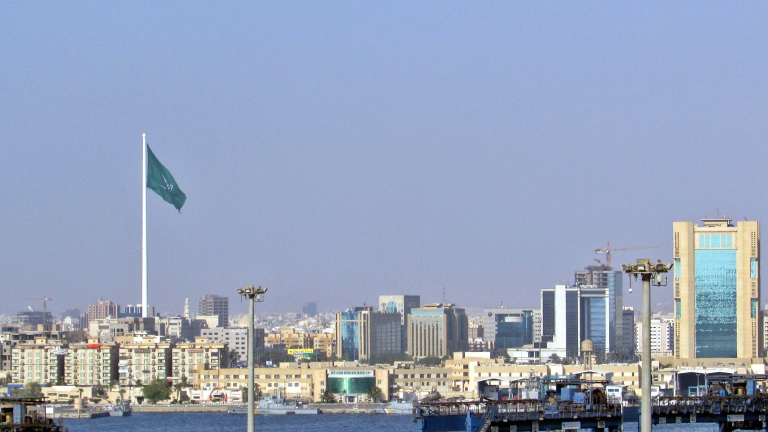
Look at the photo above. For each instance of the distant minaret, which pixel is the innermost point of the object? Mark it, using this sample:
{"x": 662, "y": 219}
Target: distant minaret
{"x": 186, "y": 308}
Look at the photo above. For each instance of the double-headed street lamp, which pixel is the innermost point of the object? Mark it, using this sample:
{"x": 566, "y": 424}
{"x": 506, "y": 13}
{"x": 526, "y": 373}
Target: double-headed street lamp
{"x": 650, "y": 273}
{"x": 254, "y": 295}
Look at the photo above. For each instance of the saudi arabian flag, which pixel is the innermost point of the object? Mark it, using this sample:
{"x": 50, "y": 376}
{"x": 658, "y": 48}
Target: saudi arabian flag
{"x": 160, "y": 180}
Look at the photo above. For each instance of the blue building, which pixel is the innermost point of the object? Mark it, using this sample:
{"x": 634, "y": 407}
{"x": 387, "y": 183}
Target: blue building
{"x": 717, "y": 289}
{"x": 508, "y": 328}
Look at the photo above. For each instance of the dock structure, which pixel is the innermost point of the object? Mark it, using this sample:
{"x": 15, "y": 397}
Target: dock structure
{"x": 728, "y": 412}
{"x": 26, "y": 414}
{"x": 530, "y": 415}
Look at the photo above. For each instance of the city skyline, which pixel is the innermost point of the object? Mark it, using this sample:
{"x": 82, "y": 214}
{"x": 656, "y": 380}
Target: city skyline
{"x": 332, "y": 152}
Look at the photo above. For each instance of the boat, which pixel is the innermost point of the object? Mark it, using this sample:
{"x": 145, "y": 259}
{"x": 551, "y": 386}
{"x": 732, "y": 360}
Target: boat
{"x": 120, "y": 409}
{"x": 397, "y": 407}
{"x": 274, "y": 406}
{"x": 27, "y": 414}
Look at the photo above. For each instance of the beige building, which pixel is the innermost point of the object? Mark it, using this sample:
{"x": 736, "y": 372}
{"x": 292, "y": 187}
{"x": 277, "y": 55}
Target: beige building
{"x": 289, "y": 337}
{"x": 437, "y": 330}
{"x": 409, "y": 381}
{"x": 91, "y": 363}
{"x": 143, "y": 358}
{"x": 325, "y": 342}
{"x": 187, "y": 356}
{"x": 302, "y": 381}
{"x": 37, "y": 361}
{"x": 716, "y": 287}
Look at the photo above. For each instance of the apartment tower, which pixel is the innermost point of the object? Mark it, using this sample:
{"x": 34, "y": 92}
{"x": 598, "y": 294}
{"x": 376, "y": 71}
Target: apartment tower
{"x": 717, "y": 289}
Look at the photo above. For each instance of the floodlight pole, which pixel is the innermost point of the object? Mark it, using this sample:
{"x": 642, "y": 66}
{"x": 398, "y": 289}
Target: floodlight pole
{"x": 254, "y": 295}
{"x": 646, "y": 271}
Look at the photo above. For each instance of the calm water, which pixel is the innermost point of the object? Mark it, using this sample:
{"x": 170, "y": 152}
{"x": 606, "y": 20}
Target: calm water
{"x": 223, "y": 422}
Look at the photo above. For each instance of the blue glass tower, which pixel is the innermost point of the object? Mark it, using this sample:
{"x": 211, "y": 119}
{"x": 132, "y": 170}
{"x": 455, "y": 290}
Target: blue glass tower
{"x": 717, "y": 289}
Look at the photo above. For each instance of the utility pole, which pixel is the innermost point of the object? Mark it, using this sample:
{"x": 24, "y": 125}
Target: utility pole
{"x": 650, "y": 274}
{"x": 254, "y": 295}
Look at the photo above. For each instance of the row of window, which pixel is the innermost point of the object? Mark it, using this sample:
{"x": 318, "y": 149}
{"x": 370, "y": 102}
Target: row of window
{"x": 437, "y": 375}
{"x": 268, "y": 376}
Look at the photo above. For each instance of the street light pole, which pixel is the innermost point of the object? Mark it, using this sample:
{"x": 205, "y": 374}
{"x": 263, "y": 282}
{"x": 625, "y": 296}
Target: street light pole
{"x": 646, "y": 271}
{"x": 254, "y": 295}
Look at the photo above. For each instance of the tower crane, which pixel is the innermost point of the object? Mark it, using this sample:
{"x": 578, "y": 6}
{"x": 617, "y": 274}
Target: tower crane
{"x": 45, "y": 306}
{"x": 607, "y": 251}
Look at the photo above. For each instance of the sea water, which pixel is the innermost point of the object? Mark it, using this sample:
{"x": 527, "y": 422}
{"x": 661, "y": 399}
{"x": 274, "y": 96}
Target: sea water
{"x": 223, "y": 422}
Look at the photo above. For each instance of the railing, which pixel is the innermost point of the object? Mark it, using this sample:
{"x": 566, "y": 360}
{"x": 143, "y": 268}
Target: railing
{"x": 519, "y": 410}
{"x": 711, "y": 405}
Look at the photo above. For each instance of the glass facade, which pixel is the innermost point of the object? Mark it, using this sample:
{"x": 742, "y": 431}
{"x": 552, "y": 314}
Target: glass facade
{"x": 351, "y": 384}
{"x": 350, "y": 331}
{"x": 593, "y": 321}
{"x": 547, "y": 315}
{"x": 514, "y": 330}
{"x": 715, "y": 297}
{"x": 572, "y": 318}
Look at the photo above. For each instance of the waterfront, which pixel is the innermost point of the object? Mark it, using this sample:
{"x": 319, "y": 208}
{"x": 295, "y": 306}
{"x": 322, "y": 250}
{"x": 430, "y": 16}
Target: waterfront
{"x": 222, "y": 422}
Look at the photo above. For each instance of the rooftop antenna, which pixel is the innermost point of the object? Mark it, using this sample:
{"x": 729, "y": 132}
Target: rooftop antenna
{"x": 444, "y": 295}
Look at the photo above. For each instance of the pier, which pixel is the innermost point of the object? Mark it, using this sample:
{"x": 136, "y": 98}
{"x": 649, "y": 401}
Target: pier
{"x": 728, "y": 412}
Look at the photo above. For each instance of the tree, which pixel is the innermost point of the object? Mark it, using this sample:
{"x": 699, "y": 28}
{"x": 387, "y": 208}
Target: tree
{"x": 327, "y": 397}
{"x": 180, "y": 385}
{"x": 375, "y": 393}
{"x": 157, "y": 390}
{"x": 430, "y": 361}
{"x": 31, "y": 389}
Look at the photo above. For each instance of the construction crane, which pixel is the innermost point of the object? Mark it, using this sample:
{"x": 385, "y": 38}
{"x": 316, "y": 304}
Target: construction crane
{"x": 607, "y": 251}
{"x": 45, "y": 306}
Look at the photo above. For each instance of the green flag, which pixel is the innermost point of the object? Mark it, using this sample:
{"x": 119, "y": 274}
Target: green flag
{"x": 160, "y": 180}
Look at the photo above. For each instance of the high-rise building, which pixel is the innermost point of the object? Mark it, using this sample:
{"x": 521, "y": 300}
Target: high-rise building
{"x": 309, "y": 309}
{"x": 402, "y": 304}
{"x": 102, "y": 309}
{"x": 628, "y": 333}
{"x": 662, "y": 331}
{"x": 717, "y": 289}
{"x": 362, "y": 333}
{"x": 560, "y": 307}
{"x": 135, "y": 311}
{"x": 572, "y": 314}
{"x": 211, "y": 304}
{"x": 604, "y": 321}
{"x": 508, "y": 328}
{"x": 437, "y": 330}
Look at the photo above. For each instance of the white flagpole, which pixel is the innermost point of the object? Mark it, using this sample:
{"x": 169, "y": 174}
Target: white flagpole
{"x": 144, "y": 226}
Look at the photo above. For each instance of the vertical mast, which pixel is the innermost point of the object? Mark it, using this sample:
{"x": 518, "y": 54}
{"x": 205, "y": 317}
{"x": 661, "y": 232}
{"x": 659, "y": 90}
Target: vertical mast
{"x": 144, "y": 225}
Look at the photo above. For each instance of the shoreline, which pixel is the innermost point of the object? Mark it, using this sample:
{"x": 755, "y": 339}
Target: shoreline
{"x": 371, "y": 408}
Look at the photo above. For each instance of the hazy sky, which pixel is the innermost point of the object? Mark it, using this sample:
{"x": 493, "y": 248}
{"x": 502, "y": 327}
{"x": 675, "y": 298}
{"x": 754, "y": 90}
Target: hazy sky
{"x": 334, "y": 151}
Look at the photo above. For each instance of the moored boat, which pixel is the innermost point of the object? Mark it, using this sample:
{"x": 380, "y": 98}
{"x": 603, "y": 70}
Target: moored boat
{"x": 397, "y": 407}
{"x": 273, "y": 406}
{"x": 120, "y": 409}
{"x": 22, "y": 414}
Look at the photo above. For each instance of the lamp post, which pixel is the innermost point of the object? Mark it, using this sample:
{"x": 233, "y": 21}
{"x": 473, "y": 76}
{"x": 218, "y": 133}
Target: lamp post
{"x": 647, "y": 271}
{"x": 254, "y": 295}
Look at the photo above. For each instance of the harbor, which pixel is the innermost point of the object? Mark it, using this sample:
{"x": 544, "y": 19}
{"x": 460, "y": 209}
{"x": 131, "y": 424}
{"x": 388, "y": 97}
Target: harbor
{"x": 571, "y": 403}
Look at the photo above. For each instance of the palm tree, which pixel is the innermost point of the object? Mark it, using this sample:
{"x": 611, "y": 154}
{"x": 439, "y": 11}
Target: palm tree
{"x": 375, "y": 393}
{"x": 327, "y": 397}
{"x": 181, "y": 384}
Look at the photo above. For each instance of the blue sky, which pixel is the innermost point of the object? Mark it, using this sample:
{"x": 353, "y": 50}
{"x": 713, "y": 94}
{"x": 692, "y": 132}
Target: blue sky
{"x": 335, "y": 151}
